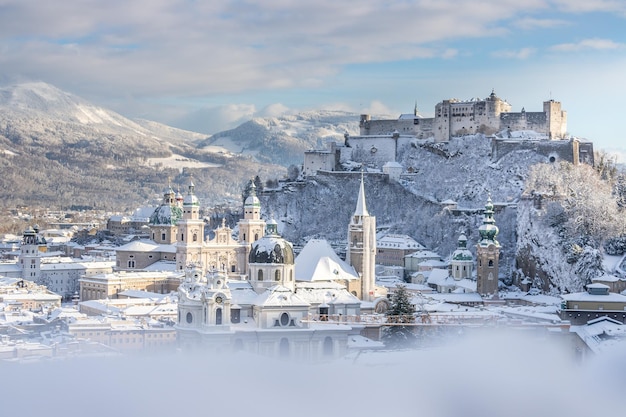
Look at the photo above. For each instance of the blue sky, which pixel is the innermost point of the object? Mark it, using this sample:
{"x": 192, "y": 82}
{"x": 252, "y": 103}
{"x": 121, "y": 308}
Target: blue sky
{"x": 208, "y": 67}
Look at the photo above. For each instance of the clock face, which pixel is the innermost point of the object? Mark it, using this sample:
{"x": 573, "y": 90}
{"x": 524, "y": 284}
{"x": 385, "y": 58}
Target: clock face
{"x": 218, "y": 299}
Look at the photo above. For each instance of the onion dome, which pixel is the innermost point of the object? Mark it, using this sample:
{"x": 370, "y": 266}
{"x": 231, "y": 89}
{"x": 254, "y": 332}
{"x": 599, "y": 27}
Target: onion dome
{"x": 488, "y": 230}
{"x": 252, "y": 200}
{"x": 271, "y": 248}
{"x": 462, "y": 253}
{"x": 191, "y": 199}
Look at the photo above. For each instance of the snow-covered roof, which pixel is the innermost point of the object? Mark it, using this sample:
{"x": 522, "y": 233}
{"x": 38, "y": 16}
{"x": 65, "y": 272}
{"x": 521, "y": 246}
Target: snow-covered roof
{"x": 397, "y": 241}
{"x": 143, "y": 294}
{"x": 325, "y": 293}
{"x": 423, "y": 254}
{"x": 280, "y": 296}
{"x": 318, "y": 262}
{"x": 242, "y": 292}
{"x": 141, "y": 245}
{"x": 440, "y": 277}
{"x": 162, "y": 265}
{"x": 585, "y": 296}
{"x": 142, "y": 214}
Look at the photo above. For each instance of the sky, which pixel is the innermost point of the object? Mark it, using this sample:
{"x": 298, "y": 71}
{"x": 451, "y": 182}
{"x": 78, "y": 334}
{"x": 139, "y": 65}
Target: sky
{"x": 208, "y": 66}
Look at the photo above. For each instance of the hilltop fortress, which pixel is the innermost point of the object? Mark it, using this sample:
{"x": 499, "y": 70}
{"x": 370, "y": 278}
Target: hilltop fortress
{"x": 381, "y": 141}
{"x": 459, "y": 118}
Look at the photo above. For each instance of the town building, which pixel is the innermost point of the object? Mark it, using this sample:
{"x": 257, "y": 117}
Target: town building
{"x": 596, "y": 302}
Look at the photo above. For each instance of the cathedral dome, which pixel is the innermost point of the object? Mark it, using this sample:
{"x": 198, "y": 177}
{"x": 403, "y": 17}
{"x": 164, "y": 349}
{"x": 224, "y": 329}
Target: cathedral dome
{"x": 271, "y": 249}
{"x": 166, "y": 214}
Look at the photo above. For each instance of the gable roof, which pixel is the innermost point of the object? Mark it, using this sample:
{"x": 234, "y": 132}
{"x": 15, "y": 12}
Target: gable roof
{"x": 318, "y": 262}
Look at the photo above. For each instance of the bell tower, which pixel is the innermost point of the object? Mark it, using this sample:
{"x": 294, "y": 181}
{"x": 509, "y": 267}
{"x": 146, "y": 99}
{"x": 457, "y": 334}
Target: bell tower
{"x": 251, "y": 227}
{"x": 488, "y": 254}
{"x": 361, "y": 253}
{"x": 190, "y": 232}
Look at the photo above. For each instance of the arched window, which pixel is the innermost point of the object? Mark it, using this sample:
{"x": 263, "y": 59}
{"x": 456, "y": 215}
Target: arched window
{"x": 260, "y": 275}
{"x": 277, "y": 275}
{"x": 244, "y": 237}
{"x": 256, "y": 237}
{"x": 189, "y": 318}
{"x": 195, "y": 237}
{"x": 218, "y": 316}
{"x": 490, "y": 263}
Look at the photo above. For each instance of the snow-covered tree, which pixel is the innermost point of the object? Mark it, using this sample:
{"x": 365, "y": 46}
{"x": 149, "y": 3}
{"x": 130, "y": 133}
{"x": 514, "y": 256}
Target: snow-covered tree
{"x": 400, "y": 311}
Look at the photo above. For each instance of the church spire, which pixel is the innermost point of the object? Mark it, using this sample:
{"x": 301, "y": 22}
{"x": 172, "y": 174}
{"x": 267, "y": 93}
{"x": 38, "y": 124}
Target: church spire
{"x": 361, "y": 209}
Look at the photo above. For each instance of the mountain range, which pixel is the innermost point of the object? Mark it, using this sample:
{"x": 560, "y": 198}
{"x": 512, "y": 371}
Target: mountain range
{"x": 59, "y": 150}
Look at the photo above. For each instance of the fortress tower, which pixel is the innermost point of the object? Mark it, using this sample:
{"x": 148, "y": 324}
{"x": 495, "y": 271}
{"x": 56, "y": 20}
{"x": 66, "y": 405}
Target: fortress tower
{"x": 361, "y": 253}
{"x": 488, "y": 254}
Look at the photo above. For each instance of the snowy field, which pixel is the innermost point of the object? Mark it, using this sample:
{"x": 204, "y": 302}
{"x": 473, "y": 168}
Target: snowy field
{"x": 179, "y": 162}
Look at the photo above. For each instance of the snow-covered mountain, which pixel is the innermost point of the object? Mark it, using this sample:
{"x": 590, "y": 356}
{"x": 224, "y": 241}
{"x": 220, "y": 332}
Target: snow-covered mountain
{"x": 36, "y": 105}
{"x": 283, "y": 140}
{"x": 58, "y": 149}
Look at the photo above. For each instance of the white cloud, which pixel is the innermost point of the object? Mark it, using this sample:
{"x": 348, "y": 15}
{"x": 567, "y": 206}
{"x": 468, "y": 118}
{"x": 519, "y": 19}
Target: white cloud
{"x": 534, "y": 23}
{"x": 215, "y": 119}
{"x": 585, "y": 6}
{"x": 193, "y": 48}
{"x": 594, "y": 44}
{"x": 523, "y": 53}
{"x": 273, "y": 110}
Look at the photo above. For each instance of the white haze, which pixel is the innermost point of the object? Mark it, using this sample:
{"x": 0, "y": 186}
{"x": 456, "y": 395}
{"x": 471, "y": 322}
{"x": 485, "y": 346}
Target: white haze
{"x": 487, "y": 374}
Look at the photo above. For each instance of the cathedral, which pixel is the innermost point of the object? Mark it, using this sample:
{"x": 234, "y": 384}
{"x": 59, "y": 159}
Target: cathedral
{"x": 268, "y": 310}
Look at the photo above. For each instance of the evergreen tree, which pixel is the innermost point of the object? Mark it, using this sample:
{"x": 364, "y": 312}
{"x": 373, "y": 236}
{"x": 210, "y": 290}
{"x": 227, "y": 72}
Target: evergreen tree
{"x": 401, "y": 310}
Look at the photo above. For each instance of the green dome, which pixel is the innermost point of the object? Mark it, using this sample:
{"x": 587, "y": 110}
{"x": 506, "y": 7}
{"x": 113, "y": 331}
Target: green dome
{"x": 488, "y": 230}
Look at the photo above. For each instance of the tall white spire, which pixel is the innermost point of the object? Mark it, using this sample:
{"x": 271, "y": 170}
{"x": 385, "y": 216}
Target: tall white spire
{"x": 361, "y": 209}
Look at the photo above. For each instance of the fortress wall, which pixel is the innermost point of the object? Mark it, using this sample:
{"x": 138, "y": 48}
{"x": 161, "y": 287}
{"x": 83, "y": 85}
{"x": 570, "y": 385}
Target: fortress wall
{"x": 536, "y": 121}
{"x": 387, "y": 127}
{"x": 554, "y": 151}
{"x": 372, "y": 150}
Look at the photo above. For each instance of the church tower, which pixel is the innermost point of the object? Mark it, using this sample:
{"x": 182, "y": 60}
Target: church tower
{"x": 462, "y": 262}
{"x": 30, "y": 254}
{"x": 361, "y": 253}
{"x": 190, "y": 232}
{"x": 251, "y": 227}
{"x": 488, "y": 254}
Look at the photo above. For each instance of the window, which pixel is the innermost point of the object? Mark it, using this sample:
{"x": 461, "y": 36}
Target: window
{"x": 189, "y": 318}
{"x": 277, "y": 275}
{"x": 284, "y": 319}
{"x": 490, "y": 263}
{"x": 195, "y": 237}
{"x": 260, "y": 275}
{"x": 162, "y": 236}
